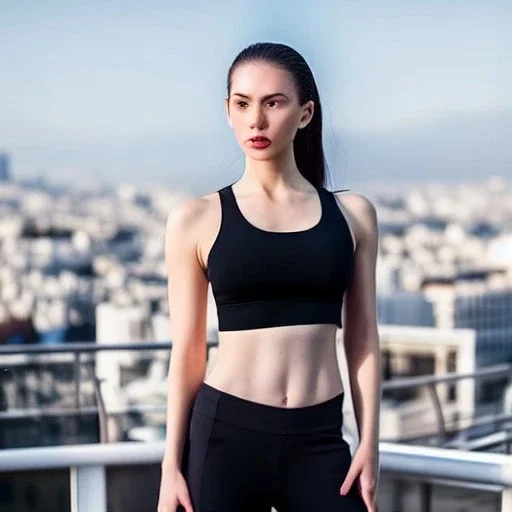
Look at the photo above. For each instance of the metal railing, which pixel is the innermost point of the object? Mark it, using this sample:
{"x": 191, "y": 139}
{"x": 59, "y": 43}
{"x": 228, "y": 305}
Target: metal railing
{"x": 32, "y": 352}
{"x": 88, "y": 463}
{"x": 428, "y": 465}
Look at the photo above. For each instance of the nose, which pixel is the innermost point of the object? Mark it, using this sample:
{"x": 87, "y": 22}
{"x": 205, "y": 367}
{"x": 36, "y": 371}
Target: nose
{"x": 258, "y": 120}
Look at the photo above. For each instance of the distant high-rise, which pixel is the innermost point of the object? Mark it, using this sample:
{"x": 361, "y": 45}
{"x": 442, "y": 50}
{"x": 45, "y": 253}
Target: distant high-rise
{"x": 4, "y": 167}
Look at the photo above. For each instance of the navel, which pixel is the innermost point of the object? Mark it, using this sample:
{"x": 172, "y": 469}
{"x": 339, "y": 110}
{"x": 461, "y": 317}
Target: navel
{"x": 284, "y": 401}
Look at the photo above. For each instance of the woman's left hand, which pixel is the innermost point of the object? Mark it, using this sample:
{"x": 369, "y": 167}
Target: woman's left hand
{"x": 365, "y": 465}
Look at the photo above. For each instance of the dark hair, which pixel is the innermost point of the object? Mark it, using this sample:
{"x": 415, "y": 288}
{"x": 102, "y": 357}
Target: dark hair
{"x": 307, "y": 144}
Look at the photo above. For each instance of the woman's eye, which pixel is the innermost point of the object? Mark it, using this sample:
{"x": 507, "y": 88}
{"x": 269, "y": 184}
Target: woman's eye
{"x": 243, "y": 104}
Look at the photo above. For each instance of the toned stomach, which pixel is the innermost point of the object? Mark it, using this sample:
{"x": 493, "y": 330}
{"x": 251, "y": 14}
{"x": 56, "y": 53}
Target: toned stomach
{"x": 289, "y": 366}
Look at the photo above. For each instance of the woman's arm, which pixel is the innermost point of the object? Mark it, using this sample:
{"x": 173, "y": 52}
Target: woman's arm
{"x": 187, "y": 293}
{"x": 360, "y": 331}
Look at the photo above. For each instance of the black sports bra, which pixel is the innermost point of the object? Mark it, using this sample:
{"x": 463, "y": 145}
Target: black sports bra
{"x": 265, "y": 278}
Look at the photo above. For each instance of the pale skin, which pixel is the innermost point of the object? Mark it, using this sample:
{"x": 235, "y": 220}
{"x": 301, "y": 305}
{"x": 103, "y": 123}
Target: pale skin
{"x": 288, "y": 366}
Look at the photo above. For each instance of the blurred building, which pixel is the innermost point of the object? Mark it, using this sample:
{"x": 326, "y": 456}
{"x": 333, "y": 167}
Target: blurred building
{"x": 416, "y": 351}
{"x": 470, "y": 303}
{"x": 405, "y": 308}
{"x": 490, "y": 314}
{"x": 119, "y": 324}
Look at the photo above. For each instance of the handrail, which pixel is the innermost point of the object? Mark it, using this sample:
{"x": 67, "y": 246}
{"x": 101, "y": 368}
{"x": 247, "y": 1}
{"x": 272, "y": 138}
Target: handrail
{"x": 419, "y": 461}
{"x": 458, "y": 465}
{"x": 85, "y": 346}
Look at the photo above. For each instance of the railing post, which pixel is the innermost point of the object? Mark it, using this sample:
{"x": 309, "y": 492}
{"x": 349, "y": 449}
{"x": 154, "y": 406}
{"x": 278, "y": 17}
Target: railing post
{"x": 425, "y": 497}
{"x": 439, "y": 414}
{"x": 77, "y": 380}
{"x": 506, "y": 500}
{"x": 102, "y": 411}
{"x": 88, "y": 489}
{"x": 397, "y": 486}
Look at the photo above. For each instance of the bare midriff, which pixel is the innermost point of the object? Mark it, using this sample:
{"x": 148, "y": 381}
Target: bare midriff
{"x": 288, "y": 366}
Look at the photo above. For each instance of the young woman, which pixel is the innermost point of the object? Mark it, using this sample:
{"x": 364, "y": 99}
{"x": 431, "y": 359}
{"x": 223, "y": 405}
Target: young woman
{"x": 289, "y": 262}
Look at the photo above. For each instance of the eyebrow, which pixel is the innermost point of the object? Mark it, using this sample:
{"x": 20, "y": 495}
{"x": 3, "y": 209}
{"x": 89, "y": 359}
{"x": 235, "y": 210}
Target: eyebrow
{"x": 264, "y": 97}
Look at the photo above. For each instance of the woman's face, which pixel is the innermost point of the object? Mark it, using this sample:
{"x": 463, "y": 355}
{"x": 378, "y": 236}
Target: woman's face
{"x": 264, "y": 102}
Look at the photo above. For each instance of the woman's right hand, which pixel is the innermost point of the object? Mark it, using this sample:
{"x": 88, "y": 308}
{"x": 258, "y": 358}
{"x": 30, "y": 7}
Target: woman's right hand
{"x": 173, "y": 492}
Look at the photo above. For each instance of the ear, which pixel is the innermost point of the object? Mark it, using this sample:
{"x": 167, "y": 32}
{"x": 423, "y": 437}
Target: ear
{"x": 226, "y": 107}
{"x": 307, "y": 113}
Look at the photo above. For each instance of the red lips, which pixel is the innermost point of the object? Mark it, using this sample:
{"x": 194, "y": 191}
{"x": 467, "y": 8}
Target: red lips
{"x": 259, "y": 142}
{"x": 259, "y": 138}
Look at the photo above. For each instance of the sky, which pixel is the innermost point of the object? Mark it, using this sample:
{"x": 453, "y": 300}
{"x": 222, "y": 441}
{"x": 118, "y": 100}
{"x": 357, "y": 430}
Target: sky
{"x": 121, "y": 91}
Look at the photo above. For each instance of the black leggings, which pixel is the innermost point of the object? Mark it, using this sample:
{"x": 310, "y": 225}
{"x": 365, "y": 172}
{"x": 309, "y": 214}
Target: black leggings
{"x": 244, "y": 456}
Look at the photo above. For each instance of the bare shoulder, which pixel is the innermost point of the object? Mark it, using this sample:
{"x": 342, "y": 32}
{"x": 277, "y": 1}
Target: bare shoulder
{"x": 358, "y": 205}
{"x": 361, "y": 212}
{"x": 194, "y": 222}
{"x": 188, "y": 217}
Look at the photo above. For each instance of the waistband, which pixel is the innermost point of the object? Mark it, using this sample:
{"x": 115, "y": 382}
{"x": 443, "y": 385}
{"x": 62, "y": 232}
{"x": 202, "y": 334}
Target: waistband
{"x": 317, "y": 418}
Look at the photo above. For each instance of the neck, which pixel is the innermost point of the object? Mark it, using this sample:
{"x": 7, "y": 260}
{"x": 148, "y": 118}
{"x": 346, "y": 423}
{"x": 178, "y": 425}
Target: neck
{"x": 275, "y": 174}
